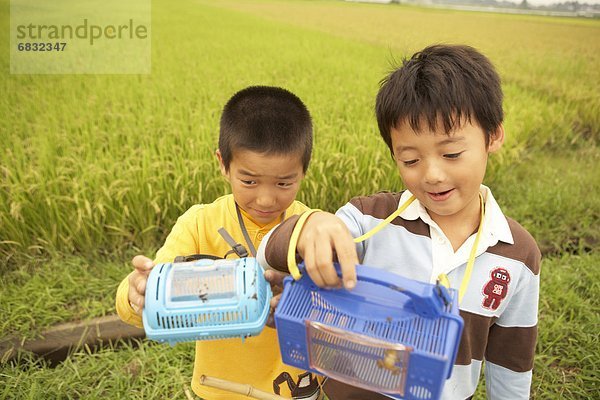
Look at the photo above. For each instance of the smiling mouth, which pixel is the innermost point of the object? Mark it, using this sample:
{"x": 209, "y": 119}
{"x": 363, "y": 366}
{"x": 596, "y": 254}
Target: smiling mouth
{"x": 440, "y": 196}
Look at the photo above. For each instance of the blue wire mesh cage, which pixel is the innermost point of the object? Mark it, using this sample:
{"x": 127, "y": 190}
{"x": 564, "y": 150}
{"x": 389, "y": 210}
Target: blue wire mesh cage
{"x": 205, "y": 300}
{"x": 389, "y": 334}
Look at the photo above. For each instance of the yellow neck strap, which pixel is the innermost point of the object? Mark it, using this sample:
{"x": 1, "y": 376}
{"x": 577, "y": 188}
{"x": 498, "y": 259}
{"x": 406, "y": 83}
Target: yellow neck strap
{"x": 443, "y": 278}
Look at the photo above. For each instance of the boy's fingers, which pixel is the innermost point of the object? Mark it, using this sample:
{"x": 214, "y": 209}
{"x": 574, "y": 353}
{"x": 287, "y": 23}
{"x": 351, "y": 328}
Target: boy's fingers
{"x": 347, "y": 257}
{"x": 275, "y": 277}
{"x": 318, "y": 240}
{"x": 311, "y": 265}
{"x": 275, "y": 301}
{"x": 271, "y": 318}
{"x": 140, "y": 286}
{"x": 142, "y": 264}
{"x": 137, "y": 284}
{"x": 139, "y": 261}
{"x": 136, "y": 299}
{"x": 324, "y": 262}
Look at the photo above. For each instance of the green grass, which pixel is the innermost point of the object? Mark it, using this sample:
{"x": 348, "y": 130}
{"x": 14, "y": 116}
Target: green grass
{"x": 568, "y": 358}
{"x": 147, "y": 371}
{"x": 553, "y": 198}
{"x": 97, "y": 168}
{"x": 39, "y": 294}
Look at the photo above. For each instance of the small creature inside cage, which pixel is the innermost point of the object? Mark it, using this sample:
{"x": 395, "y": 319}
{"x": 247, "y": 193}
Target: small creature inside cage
{"x": 206, "y": 299}
{"x": 389, "y": 334}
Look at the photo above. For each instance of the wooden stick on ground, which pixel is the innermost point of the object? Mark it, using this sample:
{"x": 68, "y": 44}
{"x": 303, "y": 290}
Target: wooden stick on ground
{"x": 188, "y": 395}
{"x": 240, "y": 388}
{"x": 57, "y": 341}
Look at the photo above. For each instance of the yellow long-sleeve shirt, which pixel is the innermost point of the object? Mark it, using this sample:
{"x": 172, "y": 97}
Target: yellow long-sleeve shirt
{"x": 257, "y": 360}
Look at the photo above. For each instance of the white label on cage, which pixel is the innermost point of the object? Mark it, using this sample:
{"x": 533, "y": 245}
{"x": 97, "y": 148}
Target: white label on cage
{"x": 199, "y": 285}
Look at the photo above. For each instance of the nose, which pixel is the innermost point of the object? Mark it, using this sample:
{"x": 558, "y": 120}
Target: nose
{"x": 266, "y": 199}
{"x": 434, "y": 173}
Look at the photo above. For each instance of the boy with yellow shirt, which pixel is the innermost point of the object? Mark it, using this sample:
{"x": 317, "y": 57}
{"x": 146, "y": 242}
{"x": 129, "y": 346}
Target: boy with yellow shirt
{"x": 265, "y": 145}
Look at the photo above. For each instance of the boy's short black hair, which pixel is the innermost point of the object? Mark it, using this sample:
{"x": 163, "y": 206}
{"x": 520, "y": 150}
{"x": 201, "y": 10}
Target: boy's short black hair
{"x": 265, "y": 119}
{"x": 450, "y": 84}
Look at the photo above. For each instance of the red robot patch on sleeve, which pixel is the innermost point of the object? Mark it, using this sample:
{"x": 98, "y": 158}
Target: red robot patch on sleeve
{"x": 496, "y": 289}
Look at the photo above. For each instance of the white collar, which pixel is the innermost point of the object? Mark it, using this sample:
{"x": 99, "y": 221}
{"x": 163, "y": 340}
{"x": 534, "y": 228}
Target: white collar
{"x": 495, "y": 225}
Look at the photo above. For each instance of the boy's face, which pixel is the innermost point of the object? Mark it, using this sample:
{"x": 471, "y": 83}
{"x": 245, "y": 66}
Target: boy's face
{"x": 263, "y": 185}
{"x": 444, "y": 171}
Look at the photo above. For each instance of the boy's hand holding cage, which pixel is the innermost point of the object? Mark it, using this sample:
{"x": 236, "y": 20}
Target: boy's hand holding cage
{"x": 206, "y": 299}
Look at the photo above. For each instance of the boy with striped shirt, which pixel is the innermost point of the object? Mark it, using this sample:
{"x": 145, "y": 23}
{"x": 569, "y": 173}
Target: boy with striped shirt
{"x": 440, "y": 115}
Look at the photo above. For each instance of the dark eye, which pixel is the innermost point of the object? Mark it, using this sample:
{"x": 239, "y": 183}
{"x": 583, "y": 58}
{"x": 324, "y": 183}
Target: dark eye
{"x": 409, "y": 162}
{"x": 452, "y": 155}
{"x": 246, "y": 182}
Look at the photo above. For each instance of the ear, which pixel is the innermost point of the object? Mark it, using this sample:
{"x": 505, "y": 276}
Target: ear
{"x": 496, "y": 139}
{"x": 221, "y": 165}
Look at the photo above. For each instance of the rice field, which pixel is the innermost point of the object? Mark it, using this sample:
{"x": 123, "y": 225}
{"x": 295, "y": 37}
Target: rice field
{"x": 96, "y": 168}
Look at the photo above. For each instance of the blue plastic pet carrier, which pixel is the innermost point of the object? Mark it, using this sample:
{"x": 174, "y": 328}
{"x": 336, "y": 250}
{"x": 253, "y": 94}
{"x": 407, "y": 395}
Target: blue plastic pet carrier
{"x": 389, "y": 334}
{"x": 206, "y": 299}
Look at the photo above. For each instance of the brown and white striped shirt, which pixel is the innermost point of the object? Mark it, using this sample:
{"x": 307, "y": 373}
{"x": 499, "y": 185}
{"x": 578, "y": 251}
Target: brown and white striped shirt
{"x": 499, "y": 308}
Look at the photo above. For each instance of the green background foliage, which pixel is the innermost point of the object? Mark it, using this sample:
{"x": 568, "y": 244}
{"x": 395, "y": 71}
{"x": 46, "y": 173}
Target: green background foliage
{"x": 96, "y": 168}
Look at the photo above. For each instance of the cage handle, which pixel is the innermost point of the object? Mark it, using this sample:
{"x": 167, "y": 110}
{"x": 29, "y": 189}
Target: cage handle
{"x": 426, "y": 299}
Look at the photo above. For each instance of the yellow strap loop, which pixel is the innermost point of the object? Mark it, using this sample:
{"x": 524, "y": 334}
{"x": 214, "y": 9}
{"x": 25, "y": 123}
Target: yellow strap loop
{"x": 386, "y": 221}
{"x": 291, "y": 257}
